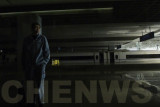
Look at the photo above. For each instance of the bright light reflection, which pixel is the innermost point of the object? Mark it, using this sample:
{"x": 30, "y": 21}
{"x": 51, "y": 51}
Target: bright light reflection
{"x": 149, "y": 48}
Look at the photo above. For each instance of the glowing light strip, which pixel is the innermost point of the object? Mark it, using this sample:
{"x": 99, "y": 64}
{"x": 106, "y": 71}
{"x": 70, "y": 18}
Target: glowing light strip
{"x": 58, "y": 11}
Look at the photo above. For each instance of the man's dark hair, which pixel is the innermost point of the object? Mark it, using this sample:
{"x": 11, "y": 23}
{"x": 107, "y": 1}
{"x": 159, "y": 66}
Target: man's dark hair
{"x": 34, "y": 24}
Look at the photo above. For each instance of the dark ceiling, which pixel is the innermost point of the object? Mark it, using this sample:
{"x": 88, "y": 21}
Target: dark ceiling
{"x": 128, "y": 18}
{"x": 123, "y": 10}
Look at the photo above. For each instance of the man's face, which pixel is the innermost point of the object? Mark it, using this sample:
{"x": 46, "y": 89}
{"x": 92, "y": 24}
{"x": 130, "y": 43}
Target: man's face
{"x": 36, "y": 29}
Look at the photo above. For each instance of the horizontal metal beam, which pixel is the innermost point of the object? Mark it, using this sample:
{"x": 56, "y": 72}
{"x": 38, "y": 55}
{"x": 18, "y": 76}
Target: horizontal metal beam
{"x": 86, "y": 44}
{"x": 95, "y": 39}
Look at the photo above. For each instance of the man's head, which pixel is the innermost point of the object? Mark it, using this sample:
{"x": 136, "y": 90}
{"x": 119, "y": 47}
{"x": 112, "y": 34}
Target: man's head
{"x": 36, "y": 28}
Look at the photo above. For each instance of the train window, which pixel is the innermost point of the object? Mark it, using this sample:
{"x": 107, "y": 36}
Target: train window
{"x": 143, "y": 56}
{"x": 74, "y": 58}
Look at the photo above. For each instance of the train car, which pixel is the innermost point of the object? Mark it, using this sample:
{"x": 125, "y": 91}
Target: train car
{"x": 106, "y": 57}
{"x": 75, "y": 58}
{"x": 136, "y": 57}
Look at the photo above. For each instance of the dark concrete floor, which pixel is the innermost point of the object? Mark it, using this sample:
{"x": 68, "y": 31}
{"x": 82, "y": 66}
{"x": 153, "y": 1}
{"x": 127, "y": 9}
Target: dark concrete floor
{"x": 145, "y": 74}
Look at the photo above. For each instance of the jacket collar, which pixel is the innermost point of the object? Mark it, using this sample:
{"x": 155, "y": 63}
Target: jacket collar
{"x": 35, "y": 37}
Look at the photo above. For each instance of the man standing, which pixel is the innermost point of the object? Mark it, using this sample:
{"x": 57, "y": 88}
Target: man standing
{"x": 35, "y": 56}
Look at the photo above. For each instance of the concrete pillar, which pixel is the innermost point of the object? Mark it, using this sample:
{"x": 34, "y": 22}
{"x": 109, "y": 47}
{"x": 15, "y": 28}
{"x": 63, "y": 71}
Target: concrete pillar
{"x": 24, "y": 23}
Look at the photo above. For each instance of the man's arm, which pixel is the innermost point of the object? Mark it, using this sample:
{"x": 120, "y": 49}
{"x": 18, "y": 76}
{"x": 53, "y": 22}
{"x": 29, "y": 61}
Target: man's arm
{"x": 46, "y": 51}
